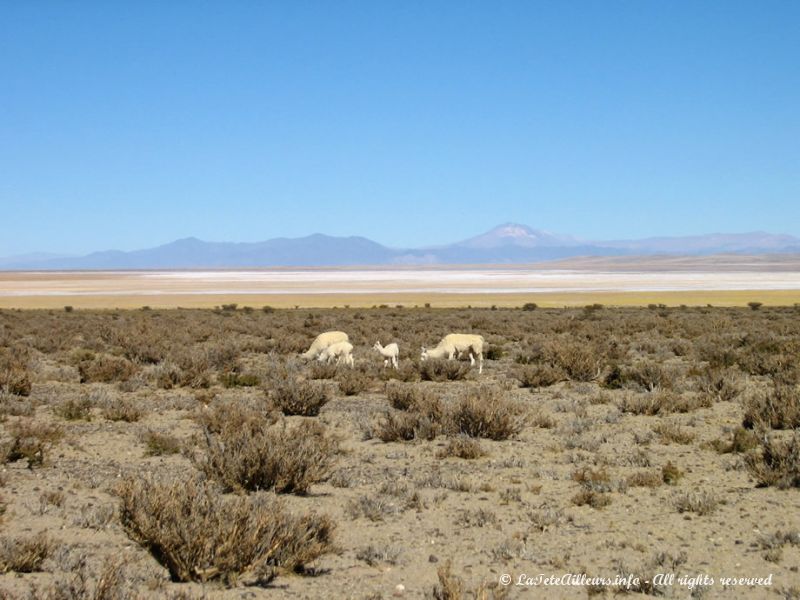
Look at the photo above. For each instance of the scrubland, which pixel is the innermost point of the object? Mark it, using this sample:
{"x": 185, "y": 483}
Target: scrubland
{"x": 192, "y": 454}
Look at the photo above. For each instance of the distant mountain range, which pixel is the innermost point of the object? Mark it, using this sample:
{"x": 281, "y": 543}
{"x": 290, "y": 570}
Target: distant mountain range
{"x": 509, "y": 243}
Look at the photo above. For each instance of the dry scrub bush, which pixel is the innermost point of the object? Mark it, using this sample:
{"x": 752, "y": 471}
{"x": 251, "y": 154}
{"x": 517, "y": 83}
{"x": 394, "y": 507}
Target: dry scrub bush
{"x": 160, "y": 444}
{"x": 645, "y": 479}
{"x": 105, "y": 369}
{"x": 75, "y": 410}
{"x": 122, "y": 408}
{"x": 220, "y": 415}
{"x": 671, "y": 474}
{"x": 443, "y": 370}
{"x": 721, "y": 385}
{"x": 302, "y": 398}
{"x": 201, "y": 535}
{"x": 24, "y": 555}
{"x": 112, "y": 583}
{"x": 775, "y": 408}
{"x": 29, "y": 440}
{"x": 399, "y": 426}
{"x": 485, "y": 413}
{"x": 233, "y": 379}
{"x": 14, "y": 376}
{"x": 702, "y": 503}
{"x": 462, "y": 446}
{"x": 261, "y": 457}
{"x": 646, "y": 375}
{"x": 537, "y": 376}
{"x": 672, "y": 432}
{"x": 658, "y": 402}
{"x": 592, "y": 498}
{"x": 581, "y": 361}
{"x": 778, "y": 463}
{"x": 743, "y": 440}
{"x": 405, "y": 396}
{"x": 352, "y": 382}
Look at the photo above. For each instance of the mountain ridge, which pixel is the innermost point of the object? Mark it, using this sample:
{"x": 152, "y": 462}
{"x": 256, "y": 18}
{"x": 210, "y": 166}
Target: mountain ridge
{"x": 507, "y": 243}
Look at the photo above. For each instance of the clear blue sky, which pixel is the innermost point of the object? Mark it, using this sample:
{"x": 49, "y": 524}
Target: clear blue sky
{"x": 129, "y": 124}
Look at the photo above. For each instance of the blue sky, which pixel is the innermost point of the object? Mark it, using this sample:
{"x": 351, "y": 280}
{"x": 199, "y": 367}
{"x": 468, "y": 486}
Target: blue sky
{"x": 129, "y": 124}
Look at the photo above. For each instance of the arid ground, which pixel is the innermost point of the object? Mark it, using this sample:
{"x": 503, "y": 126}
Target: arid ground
{"x": 192, "y": 453}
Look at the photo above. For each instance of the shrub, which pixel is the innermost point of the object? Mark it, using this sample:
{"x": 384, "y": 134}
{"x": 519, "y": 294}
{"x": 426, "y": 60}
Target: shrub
{"x": 14, "y": 376}
{"x": 408, "y": 396}
{"x": 673, "y": 432}
{"x": 352, "y": 382}
{"x": 721, "y": 385}
{"x": 405, "y": 426}
{"x": 670, "y": 473}
{"x": 484, "y": 412}
{"x": 200, "y": 535}
{"x": 776, "y": 408}
{"x": 743, "y": 440}
{"x": 703, "y": 503}
{"x": 647, "y": 375}
{"x": 443, "y": 370}
{"x": 75, "y": 410}
{"x": 528, "y": 306}
{"x": 230, "y": 379}
{"x": 221, "y": 415}
{"x": 121, "y": 408}
{"x": 30, "y": 440}
{"x": 755, "y": 305}
{"x": 24, "y": 555}
{"x": 462, "y": 446}
{"x": 778, "y": 463}
{"x": 536, "y": 376}
{"x": 105, "y": 369}
{"x": 280, "y": 458}
{"x": 160, "y": 444}
{"x": 299, "y": 397}
{"x": 580, "y": 361}
{"x": 645, "y": 479}
{"x": 587, "y": 497}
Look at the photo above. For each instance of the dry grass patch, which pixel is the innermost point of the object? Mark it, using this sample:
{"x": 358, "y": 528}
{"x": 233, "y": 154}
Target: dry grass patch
{"x": 201, "y": 535}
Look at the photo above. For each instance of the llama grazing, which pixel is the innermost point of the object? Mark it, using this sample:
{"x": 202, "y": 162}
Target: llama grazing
{"x": 322, "y": 341}
{"x": 389, "y": 352}
{"x": 341, "y": 351}
{"x": 456, "y": 343}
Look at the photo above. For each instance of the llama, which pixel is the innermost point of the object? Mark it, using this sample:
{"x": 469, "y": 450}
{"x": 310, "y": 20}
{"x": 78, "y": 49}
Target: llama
{"x": 389, "y": 352}
{"x": 341, "y": 351}
{"x": 322, "y": 341}
{"x": 456, "y": 343}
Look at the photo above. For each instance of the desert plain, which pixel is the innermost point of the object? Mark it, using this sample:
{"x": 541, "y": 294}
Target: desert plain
{"x": 192, "y": 453}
